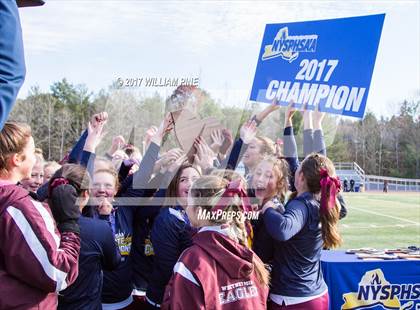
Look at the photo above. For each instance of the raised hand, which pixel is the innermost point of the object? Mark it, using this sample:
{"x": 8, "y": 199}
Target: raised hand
{"x": 104, "y": 207}
{"x": 95, "y": 135}
{"x": 227, "y": 143}
{"x": 204, "y": 156}
{"x": 174, "y": 166}
{"x": 217, "y": 140}
{"x": 168, "y": 159}
{"x": 150, "y": 133}
{"x": 248, "y": 131}
{"x": 267, "y": 205}
{"x": 165, "y": 127}
{"x": 98, "y": 118}
{"x": 289, "y": 114}
{"x": 117, "y": 143}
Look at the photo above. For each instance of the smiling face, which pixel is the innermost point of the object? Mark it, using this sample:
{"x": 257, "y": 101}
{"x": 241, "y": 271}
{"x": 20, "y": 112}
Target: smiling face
{"x": 36, "y": 175}
{"x": 104, "y": 186}
{"x": 186, "y": 179}
{"x": 265, "y": 180}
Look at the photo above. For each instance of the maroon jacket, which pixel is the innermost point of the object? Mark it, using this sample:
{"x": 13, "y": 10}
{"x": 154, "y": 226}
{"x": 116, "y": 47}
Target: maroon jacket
{"x": 36, "y": 261}
{"x": 215, "y": 273}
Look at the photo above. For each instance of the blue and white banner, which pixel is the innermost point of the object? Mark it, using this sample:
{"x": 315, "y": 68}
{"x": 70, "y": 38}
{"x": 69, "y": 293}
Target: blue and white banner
{"x": 325, "y": 63}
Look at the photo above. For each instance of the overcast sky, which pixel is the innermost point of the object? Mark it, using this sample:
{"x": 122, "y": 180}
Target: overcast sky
{"x": 95, "y": 42}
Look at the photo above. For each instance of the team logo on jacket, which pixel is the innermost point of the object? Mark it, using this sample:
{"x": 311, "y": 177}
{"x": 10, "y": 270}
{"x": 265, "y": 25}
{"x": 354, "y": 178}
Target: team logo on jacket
{"x": 288, "y": 47}
{"x": 123, "y": 243}
{"x": 237, "y": 291}
{"x": 375, "y": 292}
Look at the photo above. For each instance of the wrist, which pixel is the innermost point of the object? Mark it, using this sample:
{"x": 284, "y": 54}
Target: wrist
{"x": 317, "y": 125}
{"x": 89, "y": 148}
{"x": 156, "y": 140}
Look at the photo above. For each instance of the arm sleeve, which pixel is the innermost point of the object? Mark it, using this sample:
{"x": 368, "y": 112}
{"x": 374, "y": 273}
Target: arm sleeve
{"x": 12, "y": 61}
{"x": 282, "y": 227}
{"x": 42, "y": 192}
{"x": 111, "y": 254}
{"x": 36, "y": 253}
{"x": 319, "y": 143}
{"x": 169, "y": 240}
{"x": 181, "y": 293}
{"x": 88, "y": 161}
{"x": 76, "y": 152}
{"x": 308, "y": 142}
{"x": 235, "y": 155}
{"x": 290, "y": 153}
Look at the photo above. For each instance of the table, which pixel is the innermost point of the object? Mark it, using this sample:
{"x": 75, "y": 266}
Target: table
{"x": 359, "y": 284}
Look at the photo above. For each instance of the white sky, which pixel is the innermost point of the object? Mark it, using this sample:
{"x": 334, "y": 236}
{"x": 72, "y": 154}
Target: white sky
{"x": 95, "y": 42}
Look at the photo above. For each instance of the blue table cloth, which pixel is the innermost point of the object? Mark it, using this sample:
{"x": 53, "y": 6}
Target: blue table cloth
{"x": 359, "y": 284}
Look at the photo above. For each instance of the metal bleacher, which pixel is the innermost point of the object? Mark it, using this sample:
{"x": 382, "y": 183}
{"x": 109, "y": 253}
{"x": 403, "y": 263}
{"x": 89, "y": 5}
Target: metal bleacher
{"x": 352, "y": 170}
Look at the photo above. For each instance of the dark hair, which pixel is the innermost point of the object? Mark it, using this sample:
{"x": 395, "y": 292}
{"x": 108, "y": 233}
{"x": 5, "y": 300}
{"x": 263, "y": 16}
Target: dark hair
{"x": 74, "y": 180}
{"x": 171, "y": 192}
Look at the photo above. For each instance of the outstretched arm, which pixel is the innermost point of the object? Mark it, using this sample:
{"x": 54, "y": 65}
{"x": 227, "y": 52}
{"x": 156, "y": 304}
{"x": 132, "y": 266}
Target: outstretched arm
{"x": 12, "y": 61}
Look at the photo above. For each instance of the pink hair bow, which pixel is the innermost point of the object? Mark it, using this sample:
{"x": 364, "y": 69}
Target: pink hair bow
{"x": 232, "y": 189}
{"x": 331, "y": 185}
{"x": 57, "y": 182}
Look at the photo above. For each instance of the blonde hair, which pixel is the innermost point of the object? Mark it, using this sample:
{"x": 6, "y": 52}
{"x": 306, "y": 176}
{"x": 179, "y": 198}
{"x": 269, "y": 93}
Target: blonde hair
{"x": 206, "y": 193}
{"x": 104, "y": 162}
{"x": 52, "y": 164}
{"x": 13, "y": 139}
{"x": 230, "y": 175}
{"x": 111, "y": 171}
{"x": 281, "y": 170}
{"x": 267, "y": 146}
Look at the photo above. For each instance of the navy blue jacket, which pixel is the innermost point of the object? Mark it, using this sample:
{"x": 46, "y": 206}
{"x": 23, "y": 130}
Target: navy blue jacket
{"x": 142, "y": 250}
{"x": 118, "y": 284}
{"x": 98, "y": 252}
{"x": 171, "y": 235}
{"x": 12, "y": 61}
{"x": 297, "y": 249}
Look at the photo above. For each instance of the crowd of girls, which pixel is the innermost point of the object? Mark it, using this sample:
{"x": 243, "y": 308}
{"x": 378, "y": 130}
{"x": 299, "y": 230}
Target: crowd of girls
{"x": 167, "y": 230}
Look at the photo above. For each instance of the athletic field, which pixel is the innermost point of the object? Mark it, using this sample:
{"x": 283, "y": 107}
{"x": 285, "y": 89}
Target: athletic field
{"x": 381, "y": 220}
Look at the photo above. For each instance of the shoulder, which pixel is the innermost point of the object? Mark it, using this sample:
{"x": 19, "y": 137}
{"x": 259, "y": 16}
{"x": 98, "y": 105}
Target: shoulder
{"x": 299, "y": 206}
{"x": 195, "y": 258}
{"x": 170, "y": 216}
{"x": 170, "y": 223}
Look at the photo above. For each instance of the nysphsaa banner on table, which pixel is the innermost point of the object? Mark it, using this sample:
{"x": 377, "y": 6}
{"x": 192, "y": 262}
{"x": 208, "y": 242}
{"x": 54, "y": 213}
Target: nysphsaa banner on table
{"x": 326, "y": 64}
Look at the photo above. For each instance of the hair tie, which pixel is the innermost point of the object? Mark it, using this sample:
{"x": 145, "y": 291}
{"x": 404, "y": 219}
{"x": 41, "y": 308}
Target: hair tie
{"x": 233, "y": 188}
{"x": 331, "y": 184}
{"x": 57, "y": 182}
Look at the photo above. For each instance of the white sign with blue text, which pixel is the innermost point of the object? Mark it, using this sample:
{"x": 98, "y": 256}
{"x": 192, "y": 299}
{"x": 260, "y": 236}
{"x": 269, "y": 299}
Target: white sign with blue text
{"x": 326, "y": 64}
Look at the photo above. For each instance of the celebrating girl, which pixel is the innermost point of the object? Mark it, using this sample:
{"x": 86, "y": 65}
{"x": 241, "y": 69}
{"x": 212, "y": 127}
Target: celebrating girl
{"x": 218, "y": 271}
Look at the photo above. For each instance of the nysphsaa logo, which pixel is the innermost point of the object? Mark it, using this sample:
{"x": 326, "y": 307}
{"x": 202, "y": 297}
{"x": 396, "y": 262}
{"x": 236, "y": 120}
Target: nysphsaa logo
{"x": 375, "y": 292}
{"x": 288, "y": 47}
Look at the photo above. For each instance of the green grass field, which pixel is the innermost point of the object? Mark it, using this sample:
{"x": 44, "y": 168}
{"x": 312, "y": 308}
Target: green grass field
{"x": 381, "y": 220}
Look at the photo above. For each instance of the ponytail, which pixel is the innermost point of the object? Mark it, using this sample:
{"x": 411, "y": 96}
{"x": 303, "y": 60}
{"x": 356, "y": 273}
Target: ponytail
{"x": 329, "y": 209}
{"x": 319, "y": 173}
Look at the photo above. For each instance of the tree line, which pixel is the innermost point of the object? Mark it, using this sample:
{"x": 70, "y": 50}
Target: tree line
{"x": 381, "y": 146}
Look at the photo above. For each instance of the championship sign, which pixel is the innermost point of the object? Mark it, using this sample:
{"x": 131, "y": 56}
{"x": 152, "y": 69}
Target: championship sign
{"x": 326, "y": 63}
